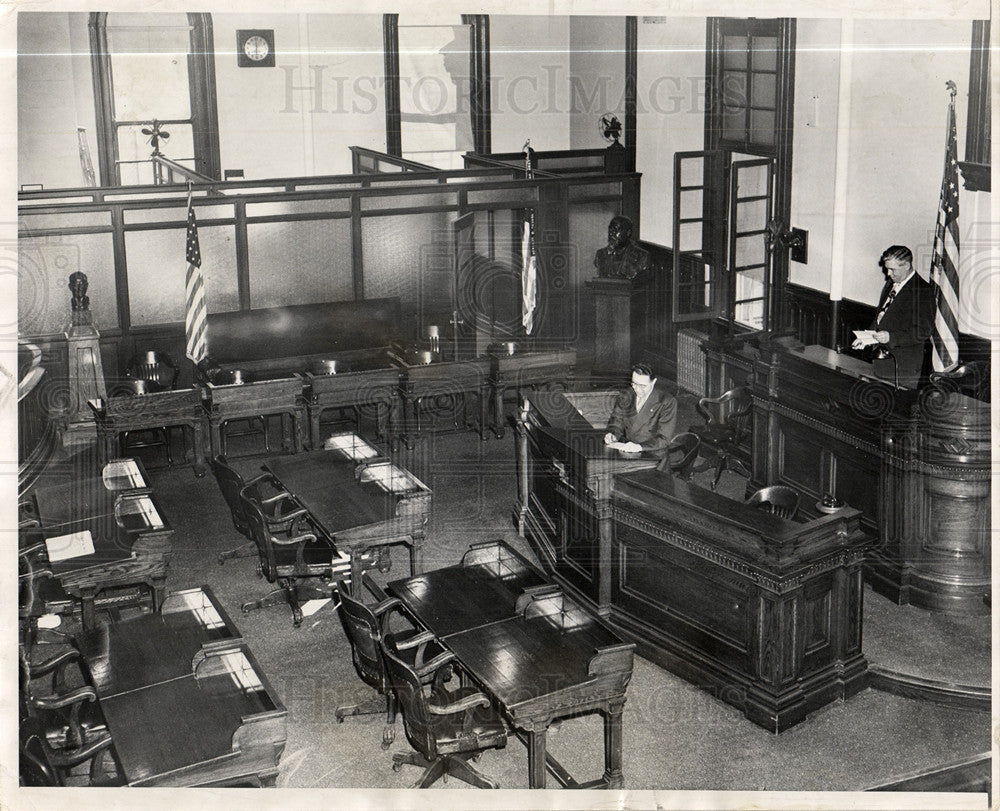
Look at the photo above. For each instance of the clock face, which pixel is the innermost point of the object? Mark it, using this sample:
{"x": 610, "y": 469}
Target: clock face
{"x": 256, "y": 48}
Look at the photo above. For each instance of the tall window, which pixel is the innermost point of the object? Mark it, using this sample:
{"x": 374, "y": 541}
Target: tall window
{"x": 153, "y": 67}
{"x": 749, "y": 85}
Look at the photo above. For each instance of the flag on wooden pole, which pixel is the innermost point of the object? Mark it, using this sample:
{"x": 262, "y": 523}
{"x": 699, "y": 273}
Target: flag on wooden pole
{"x": 944, "y": 264}
{"x": 529, "y": 261}
{"x": 194, "y": 289}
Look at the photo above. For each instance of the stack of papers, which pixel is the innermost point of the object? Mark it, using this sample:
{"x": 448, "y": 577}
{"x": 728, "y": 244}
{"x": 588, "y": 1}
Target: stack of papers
{"x": 74, "y": 545}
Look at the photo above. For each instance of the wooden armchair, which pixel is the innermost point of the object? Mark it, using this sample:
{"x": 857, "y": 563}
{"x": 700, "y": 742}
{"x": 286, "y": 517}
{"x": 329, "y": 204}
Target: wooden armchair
{"x": 777, "y": 500}
{"x": 365, "y": 627}
{"x": 682, "y": 452}
{"x": 727, "y": 423}
{"x": 232, "y": 485}
{"x": 302, "y": 565}
{"x": 446, "y": 728}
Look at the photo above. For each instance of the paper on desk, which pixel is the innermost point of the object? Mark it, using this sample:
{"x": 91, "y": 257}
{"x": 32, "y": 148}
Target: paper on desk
{"x": 122, "y": 469}
{"x": 389, "y": 477}
{"x": 866, "y": 336}
{"x": 310, "y": 607}
{"x": 73, "y": 545}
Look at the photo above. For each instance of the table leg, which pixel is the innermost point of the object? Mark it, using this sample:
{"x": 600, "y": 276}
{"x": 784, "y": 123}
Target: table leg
{"x": 613, "y": 747}
{"x": 215, "y": 437}
{"x": 198, "y": 448}
{"x": 287, "y": 442}
{"x": 416, "y": 553}
{"x": 357, "y": 572}
{"x": 536, "y": 758}
{"x": 314, "y": 411}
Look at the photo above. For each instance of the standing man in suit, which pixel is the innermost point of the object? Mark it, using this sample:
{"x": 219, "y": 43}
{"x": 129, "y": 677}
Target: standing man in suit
{"x": 905, "y": 314}
{"x": 644, "y": 415}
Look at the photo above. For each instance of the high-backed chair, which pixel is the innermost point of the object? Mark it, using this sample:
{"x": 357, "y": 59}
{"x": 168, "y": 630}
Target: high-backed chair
{"x": 365, "y": 627}
{"x": 232, "y": 485}
{"x": 447, "y": 728}
{"x": 148, "y": 373}
{"x": 727, "y": 423}
{"x": 681, "y": 455}
{"x": 300, "y": 563}
{"x": 777, "y": 500}
{"x": 41, "y": 764}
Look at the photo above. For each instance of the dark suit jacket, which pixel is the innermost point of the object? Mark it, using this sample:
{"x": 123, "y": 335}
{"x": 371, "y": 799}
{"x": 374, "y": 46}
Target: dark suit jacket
{"x": 908, "y": 321}
{"x": 652, "y": 427}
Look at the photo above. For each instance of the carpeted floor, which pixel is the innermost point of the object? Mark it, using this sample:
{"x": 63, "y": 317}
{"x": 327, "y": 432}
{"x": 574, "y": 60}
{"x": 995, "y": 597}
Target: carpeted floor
{"x": 676, "y": 736}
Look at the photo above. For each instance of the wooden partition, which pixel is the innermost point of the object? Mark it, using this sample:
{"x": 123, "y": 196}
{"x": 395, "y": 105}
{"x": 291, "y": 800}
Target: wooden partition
{"x": 312, "y": 240}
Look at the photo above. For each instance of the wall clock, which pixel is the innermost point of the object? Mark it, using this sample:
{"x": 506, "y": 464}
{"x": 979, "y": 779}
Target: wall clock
{"x": 255, "y": 48}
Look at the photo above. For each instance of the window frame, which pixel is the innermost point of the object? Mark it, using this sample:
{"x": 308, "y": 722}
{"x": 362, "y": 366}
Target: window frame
{"x": 201, "y": 87}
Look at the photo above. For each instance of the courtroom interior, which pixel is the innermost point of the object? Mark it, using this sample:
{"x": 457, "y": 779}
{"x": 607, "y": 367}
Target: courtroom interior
{"x": 503, "y": 401}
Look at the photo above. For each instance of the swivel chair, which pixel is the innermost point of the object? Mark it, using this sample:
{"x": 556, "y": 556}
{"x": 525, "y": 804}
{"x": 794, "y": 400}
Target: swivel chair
{"x": 365, "y": 627}
{"x": 726, "y": 426}
{"x": 300, "y": 563}
{"x": 681, "y": 455}
{"x": 447, "y": 728}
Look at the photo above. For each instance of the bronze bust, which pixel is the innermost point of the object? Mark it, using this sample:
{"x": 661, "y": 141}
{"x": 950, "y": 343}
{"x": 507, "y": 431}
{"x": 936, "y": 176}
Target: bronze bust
{"x": 78, "y": 285}
{"x": 622, "y": 258}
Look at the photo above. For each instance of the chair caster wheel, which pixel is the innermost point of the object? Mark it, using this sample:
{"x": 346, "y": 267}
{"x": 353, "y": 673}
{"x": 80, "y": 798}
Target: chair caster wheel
{"x": 246, "y": 608}
{"x": 388, "y": 736}
{"x": 397, "y": 766}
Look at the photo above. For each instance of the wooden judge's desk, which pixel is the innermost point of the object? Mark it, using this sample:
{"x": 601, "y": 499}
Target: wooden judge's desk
{"x": 916, "y": 463}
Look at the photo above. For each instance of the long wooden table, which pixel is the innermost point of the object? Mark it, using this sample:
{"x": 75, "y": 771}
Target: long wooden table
{"x": 183, "y": 697}
{"x": 355, "y": 515}
{"x": 539, "y": 654}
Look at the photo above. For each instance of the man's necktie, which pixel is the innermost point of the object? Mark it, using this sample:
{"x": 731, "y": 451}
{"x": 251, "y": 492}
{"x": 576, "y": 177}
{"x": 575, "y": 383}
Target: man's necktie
{"x": 885, "y": 305}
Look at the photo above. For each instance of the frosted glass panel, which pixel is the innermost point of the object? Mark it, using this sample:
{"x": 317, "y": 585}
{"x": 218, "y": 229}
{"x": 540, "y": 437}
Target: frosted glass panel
{"x": 44, "y": 268}
{"x": 299, "y": 262}
{"x": 157, "y": 271}
{"x": 406, "y": 255}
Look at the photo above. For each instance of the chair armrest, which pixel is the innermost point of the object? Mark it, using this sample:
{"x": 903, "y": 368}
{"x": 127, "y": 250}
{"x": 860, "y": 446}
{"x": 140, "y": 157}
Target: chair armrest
{"x": 49, "y": 665}
{"x": 77, "y": 696}
{"x": 435, "y": 664}
{"x": 283, "y": 495}
{"x": 287, "y": 518}
{"x": 298, "y": 539}
{"x": 419, "y": 639}
{"x": 705, "y": 413}
{"x": 455, "y": 707}
{"x": 256, "y": 479}
{"x": 380, "y": 608}
{"x": 74, "y": 757}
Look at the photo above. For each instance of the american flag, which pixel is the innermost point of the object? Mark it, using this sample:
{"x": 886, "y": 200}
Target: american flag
{"x": 944, "y": 264}
{"x": 194, "y": 288}
{"x": 529, "y": 261}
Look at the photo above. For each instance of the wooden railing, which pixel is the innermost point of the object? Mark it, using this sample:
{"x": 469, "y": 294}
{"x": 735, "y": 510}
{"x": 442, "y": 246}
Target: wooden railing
{"x": 558, "y": 162}
{"x": 166, "y": 171}
{"x": 371, "y": 162}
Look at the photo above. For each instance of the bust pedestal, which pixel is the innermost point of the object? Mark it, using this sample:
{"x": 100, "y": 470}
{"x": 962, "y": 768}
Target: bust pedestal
{"x": 612, "y": 327}
{"x": 85, "y": 378}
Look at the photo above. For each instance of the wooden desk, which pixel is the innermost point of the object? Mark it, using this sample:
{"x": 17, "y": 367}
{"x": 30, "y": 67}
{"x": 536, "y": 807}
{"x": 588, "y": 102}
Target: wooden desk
{"x": 355, "y": 515}
{"x": 261, "y": 393}
{"x": 158, "y": 647}
{"x": 764, "y": 612}
{"x": 164, "y": 409}
{"x": 915, "y": 463}
{"x": 184, "y": 699}
{"x": 443, "y": 380}
{"x": 523, "y": 370}
{"x": 363, "y": 378}
{"x": 539, "y": 654}
{"x": 565, "y": 479}
{"x": 130, "y": 548}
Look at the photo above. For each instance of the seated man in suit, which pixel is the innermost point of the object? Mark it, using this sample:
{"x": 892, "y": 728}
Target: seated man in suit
{"x": 905, "y": 315}
{"x": 644, "y": 415}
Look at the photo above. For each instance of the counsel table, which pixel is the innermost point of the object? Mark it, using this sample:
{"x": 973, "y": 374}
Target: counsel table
{"x": 183, "y": 698}
{"x": 355, "y": 515}
{"x": 538, "y": 653}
